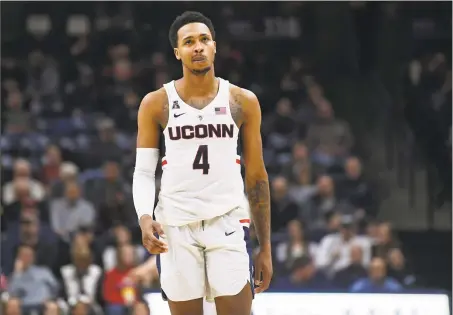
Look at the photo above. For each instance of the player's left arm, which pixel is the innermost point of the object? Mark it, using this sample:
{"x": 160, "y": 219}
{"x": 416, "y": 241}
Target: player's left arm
{"x": 256, "y": 179}
{"x": 257, "y": 186}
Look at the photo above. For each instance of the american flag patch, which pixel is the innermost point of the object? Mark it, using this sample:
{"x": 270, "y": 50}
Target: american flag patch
{"x": 220, "y": 110}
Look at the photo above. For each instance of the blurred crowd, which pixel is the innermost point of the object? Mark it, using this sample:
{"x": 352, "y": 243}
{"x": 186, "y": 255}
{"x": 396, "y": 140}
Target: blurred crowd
{"x": 428, "y": 93}
{"x": 70, "y": 236}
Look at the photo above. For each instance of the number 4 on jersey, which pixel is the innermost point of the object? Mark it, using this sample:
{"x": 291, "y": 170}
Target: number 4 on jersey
{"x": 201, "y": 159}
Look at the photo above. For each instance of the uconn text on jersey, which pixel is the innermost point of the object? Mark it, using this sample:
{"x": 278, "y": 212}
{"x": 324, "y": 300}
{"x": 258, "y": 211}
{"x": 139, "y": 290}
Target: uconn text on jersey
{"x": 201, "y": 131}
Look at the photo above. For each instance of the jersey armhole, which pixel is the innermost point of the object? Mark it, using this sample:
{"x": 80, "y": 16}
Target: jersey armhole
{"x": 170, "y": 97}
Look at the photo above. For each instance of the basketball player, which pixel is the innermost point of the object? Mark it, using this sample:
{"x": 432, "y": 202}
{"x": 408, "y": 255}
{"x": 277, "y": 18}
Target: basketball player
{"x": 202, "y": 216}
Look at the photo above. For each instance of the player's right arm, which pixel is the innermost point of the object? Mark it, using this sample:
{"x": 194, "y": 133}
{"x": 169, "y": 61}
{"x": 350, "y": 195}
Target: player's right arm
{"x": 152, "y": 114}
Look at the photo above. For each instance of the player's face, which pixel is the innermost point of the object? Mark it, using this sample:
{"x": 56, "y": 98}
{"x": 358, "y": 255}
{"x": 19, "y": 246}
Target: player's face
{"x": 196, "y": 48}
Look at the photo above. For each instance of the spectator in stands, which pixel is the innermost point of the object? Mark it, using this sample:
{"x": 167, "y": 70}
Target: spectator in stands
{"x": 23, "y": 205}
{"x": 428, "y": 113}
{"x": 33, "y": 285}
{"x": 397, "y": 268}
{"x": 283, "y": 209}
{"x": 328, "y": 138}
{"x": 126, "y": 114}
{"x": 146, "y": 273}
{"x": 30, "y": 234}
{"x": 122, "y": 73}
{"x": 315, "y": 91}
{"x": 304, "y": 276}
{"x": 372, "y": 231}
{"x": 118, "y": 290}
{"x": 333, "y": 223}
{"x": 104, "y": 147}
{"x": 112, "y": 196}
{"x": 306, "y": 112}
{"x": 280, "y": 131}
{"x": 51, "y": 165}
{"x": 84, "y": 236}
{"x": 43, "y": 79}
{"x": 68, "y": 172}
{"x": 300, "y": 160}
{"x": 81, "y": 278}
{"x": 385, "y": 241}
{"x": 297, "y": 246}
{"x": 345, "y": 277}
{"x": 283, "y": 123}
{"x": 300, "y": 174}
{"x": 68, "y": 214}
{"x": 321, "y": 203}
{"x": 353, "y": 188}
{"x": 81, "y": 92}
{"x": 22, "y": 172}
{"x": 122, "y": 237}
{"x": 334, "y": 252}
{"x": 17, "y": 119}
{"x": 377, "y": 281}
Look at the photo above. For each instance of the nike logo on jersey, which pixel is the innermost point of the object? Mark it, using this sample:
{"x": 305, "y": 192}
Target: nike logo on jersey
{"x": 228, "y": 234}
{"x": 177, "y": 115}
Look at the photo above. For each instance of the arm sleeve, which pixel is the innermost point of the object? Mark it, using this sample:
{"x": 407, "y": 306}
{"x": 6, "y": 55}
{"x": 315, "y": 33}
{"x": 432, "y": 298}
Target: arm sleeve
{"x": 144, "y": 181}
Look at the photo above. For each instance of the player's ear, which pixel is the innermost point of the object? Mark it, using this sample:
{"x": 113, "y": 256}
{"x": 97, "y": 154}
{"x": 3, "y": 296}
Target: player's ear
{"x": 215, "y": 47}
{"x": 176, "y": 51}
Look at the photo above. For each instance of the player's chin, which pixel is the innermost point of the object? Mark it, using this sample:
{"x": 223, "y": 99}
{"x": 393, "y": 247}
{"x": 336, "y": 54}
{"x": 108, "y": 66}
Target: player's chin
{"x": 201, "y": 70}
{"x": 201, "y": 64}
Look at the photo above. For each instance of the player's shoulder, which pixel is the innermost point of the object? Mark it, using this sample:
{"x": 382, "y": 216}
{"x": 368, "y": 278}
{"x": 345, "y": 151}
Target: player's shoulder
{"x": 246, "y": 100}
{"x": 154, "y": 100}
{"x": 155, "y": 104}
{"x": 243, "y": 94}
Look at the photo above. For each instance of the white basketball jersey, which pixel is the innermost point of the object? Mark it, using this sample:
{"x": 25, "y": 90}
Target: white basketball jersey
{"x": 201, "y": 169}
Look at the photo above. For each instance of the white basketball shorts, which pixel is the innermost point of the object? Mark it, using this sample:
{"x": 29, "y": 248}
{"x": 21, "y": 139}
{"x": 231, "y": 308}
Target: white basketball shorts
{"x": 209, "y": 258}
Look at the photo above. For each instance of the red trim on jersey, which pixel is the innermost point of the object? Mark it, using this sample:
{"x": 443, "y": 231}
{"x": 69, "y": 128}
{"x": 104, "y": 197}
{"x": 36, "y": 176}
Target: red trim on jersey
{"x": 238, "y": 161}
{"x": 245, "y": 221}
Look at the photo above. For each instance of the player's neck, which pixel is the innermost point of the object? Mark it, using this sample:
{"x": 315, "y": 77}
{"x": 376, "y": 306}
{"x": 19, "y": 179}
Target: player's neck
{"x": 198, "y": 84}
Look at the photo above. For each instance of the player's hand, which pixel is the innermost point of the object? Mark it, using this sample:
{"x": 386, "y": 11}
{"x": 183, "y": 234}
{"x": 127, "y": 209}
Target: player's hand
{"x": 263, "y": 270}
{"x": 150, "y": 230}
